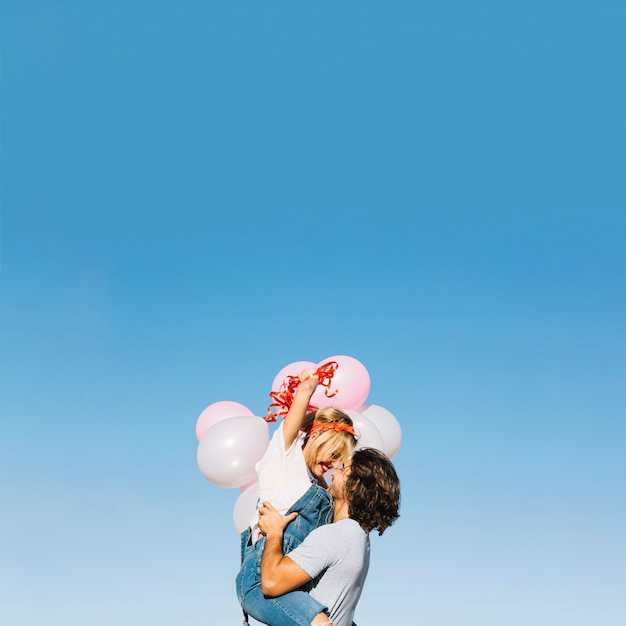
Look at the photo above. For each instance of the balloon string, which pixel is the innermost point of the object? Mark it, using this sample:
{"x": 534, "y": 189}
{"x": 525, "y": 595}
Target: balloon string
{"x": 283, "y": 398}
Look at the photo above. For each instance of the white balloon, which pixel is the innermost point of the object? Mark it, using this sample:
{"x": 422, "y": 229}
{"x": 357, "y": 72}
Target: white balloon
{"x": 229, "y": 450}
{"x": 369, "y": 436}
{"x": 387, "y": 425}
{"x": 245, "y": 507}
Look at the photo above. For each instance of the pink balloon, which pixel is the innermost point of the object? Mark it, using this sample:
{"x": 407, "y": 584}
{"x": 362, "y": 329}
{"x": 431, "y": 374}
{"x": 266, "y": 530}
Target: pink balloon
{"x": 351, "y": 380}
{"x": 291, "y": 370}
{"x": 388, "y": 426}
{"x": 245, "y": 507}
{"x": 217, "y": 412}
{"x": 229, "y": 450}
{"x": 369, "y": 435}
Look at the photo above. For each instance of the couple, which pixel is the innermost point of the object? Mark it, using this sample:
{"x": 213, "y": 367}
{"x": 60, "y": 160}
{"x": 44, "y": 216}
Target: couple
{"x": 308, "y": 567}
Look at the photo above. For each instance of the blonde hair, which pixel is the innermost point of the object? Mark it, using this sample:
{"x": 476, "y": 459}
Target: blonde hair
{"x": 337, "y": 443}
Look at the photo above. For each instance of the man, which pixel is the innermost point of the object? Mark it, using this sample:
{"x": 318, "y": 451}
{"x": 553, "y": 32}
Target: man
{"x": 334, "y": 558}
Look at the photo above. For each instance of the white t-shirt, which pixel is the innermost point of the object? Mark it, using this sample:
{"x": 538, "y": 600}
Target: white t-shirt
{"x": 339, "y": 554}
{"x": 283, "y": 476}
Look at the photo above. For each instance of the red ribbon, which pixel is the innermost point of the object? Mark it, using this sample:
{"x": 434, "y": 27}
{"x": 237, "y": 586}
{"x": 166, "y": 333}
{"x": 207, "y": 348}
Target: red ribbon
{"x": 285, "y": 395}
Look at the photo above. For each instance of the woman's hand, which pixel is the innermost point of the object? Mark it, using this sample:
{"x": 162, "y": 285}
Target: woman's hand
{"x": 308, "y": 381}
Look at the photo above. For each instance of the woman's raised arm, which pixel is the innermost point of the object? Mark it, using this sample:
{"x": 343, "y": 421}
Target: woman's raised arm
{"x": 296, "y": 416}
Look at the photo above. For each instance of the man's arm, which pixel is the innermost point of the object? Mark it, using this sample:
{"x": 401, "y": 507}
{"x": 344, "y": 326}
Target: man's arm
{"x": 279, "y": 574}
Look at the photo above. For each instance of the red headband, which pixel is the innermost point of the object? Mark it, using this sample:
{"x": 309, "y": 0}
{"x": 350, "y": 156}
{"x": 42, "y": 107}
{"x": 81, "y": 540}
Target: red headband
{"x": 321, "y": 427}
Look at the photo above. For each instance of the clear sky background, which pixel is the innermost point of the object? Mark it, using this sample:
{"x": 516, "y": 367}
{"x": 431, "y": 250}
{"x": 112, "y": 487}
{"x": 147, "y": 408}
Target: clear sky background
{"x": 195, "y": 194}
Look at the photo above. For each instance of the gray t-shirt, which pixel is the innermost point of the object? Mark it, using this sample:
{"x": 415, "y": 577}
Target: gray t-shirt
{"x": 339, "y": 554}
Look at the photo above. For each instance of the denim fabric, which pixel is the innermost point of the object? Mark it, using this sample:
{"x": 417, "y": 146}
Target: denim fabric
{"x": 315, "y": 508}
{"x": 296, "y": 608}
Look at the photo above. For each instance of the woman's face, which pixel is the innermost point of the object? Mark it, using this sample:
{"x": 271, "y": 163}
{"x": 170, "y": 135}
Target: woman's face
{"x": 322, "y": 462}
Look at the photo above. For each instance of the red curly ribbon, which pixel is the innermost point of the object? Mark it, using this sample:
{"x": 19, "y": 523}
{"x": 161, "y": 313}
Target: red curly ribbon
{"x": 285, "y": 395}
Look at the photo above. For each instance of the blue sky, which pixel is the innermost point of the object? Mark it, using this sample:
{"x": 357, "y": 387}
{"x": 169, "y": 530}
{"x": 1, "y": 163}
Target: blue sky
{"x": 196, "y": 194}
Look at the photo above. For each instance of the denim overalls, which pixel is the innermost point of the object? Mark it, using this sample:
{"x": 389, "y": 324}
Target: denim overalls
{"x": 296, "y": 608}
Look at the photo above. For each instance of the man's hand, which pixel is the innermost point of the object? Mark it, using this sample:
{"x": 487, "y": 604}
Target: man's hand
{"x": 279, "y": 574}
{"x": 271, "y": 522}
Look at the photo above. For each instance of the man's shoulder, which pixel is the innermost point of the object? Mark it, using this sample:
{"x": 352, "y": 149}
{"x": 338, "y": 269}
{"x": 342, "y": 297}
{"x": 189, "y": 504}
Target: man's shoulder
{"x": 347, "y": 527}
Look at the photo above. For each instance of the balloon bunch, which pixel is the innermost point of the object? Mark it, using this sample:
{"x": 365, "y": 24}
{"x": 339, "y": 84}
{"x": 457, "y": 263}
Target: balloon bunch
{"x": 232, "y": 439}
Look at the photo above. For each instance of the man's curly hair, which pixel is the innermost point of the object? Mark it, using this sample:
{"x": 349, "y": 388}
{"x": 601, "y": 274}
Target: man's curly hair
{"x": 374, "y": 490}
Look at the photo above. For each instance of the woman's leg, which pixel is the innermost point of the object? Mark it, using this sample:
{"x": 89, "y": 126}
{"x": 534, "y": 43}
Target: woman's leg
{"x": 296, "y": 608}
